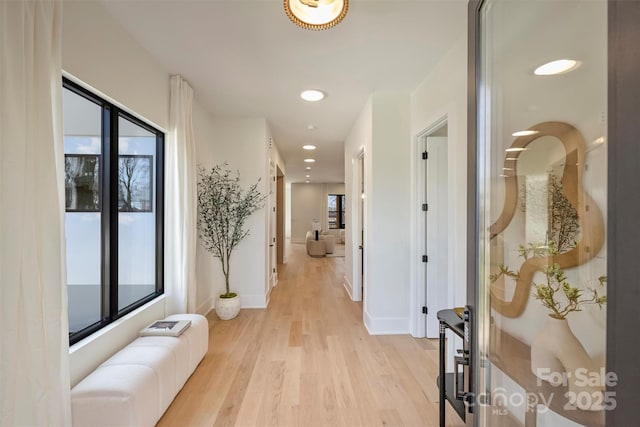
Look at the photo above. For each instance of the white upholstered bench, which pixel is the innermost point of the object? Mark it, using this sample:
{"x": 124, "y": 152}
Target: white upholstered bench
{"x": 137, "y": 384}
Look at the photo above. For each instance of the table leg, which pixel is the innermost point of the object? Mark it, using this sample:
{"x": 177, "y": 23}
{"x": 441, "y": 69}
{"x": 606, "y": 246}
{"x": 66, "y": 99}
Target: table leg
{"x": 441, "y": 377}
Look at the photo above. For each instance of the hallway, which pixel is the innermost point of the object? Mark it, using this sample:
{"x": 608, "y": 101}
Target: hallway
{"x": 307, "y": 360}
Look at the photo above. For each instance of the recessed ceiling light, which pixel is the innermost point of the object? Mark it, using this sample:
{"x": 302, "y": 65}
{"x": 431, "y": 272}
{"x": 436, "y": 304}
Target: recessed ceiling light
{"x": 307, "y": 181}
{"x": 511, "y": 158}
{"x": 308, "y": 168}
{"x": 507, "y": 169}
{"x": 559, "y": 66}
{"x": 599, "y": 140}
{"x": 309, "y": 147}
{"x": 525, "y": 133}
{"x": 515, "y": 149}
{"x": 312, "y": 95}
{"x": 312, "y": 127}
{"x": 308, "y": 176}
{"x": 309, "y": 160}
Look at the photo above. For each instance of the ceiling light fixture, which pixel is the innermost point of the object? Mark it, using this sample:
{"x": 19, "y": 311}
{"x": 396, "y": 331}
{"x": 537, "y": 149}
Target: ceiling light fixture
{"x": 515, "y": 149}
{"x": 512, "y": 158}
{"x": 309, "y": 160}
{"x": 316, "y": 14}
{"x": 525, "y": 133}
{"x": 312, "y": 95}
{"x": 308, "y": 168}
{"x": 308, "y": 176}
{"x": 559, "y": 66}
{"x": 307, "y": 181}
{"x": 312, "y": 127}
{"x": 309, "y": 147}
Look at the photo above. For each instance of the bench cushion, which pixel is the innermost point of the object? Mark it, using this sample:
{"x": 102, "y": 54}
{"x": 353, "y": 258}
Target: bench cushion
{"x": 197, "y": 337}
{"x": 137, "y": 384}
{"x": 160, "y": 360}
{"x": 116, "y": 395}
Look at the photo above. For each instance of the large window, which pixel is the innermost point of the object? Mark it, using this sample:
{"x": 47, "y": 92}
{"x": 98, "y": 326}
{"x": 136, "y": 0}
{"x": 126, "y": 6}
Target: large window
{"x": 336, "y": 211}
{"x": 114, "y": 203}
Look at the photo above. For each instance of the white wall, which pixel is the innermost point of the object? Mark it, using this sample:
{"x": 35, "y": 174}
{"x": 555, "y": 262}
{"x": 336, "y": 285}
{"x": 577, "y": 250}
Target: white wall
{"x": 382, "y": 130}
{"x": 241, "y": 142}
{"x": 359, "y": 140}
{"x": 309, "y": 202}
{"x": 97, "y": 50}
{"x": 306, "y": 205}
{"x": 443, "y": 93}
{"x": 205, "y": 132}
{"x": 388, "y": 218}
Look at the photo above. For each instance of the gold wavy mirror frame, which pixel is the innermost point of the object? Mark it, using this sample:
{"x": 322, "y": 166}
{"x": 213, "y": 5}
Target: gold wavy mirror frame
{"x": 590, "y": 217}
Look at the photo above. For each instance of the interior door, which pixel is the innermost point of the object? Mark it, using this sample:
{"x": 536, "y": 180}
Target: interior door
{"x": 436, "y": 226}
{"x": 541, "y": 160}
{"x": 361, "y": 227}
{"x": 273, "y": 257}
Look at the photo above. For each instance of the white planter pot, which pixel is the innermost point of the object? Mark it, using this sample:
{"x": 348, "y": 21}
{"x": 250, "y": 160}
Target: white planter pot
{"x": 227, "y": 308}
{"x": 558, "y": 357}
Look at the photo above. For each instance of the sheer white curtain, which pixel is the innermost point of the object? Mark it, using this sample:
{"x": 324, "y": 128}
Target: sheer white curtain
{"x": 34, "y": 343}
{"x": 180, "y": 207}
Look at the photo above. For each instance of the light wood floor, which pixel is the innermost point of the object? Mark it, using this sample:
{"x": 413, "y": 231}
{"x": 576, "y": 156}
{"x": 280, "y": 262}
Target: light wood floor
{"x": 307, "y": 360}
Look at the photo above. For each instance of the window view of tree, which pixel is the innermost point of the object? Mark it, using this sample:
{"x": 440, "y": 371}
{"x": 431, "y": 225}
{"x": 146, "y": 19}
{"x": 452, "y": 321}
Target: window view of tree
{"x": 113, "y": 219}
{"x": 134, "y": 181}
{"x": 336, "y": 210}
{"x": 82, "y": 183}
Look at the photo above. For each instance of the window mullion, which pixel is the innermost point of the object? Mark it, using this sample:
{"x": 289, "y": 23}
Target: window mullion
{"x": 105, "y": 211}
{"x": 112, "y": 206}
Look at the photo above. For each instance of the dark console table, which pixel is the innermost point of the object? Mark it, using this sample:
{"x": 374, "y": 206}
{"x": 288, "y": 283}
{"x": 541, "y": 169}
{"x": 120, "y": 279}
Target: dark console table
{"x": 449, "y": 319}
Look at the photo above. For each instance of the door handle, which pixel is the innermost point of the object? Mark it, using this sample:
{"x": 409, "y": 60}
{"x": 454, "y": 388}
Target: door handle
{"x": 360, "y": 247}
{"x": 271, "y": 245}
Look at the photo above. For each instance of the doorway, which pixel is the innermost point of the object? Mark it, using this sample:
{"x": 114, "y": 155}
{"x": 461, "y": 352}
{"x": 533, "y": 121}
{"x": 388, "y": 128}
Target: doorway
{"x": 359, "y": 229}
{"x": 432, "y": 288}
{"x": 273, "y": 271}
{"x": 433, "y": 190}
{"x": 280, "y": 238}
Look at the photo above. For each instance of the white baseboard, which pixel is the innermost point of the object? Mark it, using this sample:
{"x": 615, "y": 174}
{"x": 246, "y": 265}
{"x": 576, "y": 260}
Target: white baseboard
{"x": 246, "y": 301}
{"x": 386, "y": 325}
{"x": 205, "y": 307}
{"x": 253, "y": 301}
{"x": 347, "y": 285}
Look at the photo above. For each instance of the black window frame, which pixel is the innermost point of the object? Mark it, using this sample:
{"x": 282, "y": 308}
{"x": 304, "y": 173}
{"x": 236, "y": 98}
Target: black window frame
{"x": 109, "y": 161}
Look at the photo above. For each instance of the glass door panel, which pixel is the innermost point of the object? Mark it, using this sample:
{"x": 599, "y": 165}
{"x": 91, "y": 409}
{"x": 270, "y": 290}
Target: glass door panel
{"x": 542, "y": 184}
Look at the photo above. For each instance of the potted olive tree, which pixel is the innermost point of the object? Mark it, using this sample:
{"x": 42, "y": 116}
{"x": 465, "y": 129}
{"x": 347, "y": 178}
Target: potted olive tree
{"x": 223, "y": 208}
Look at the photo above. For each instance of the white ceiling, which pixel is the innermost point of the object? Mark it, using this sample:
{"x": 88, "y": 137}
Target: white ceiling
{"x": 245, "y": 58}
